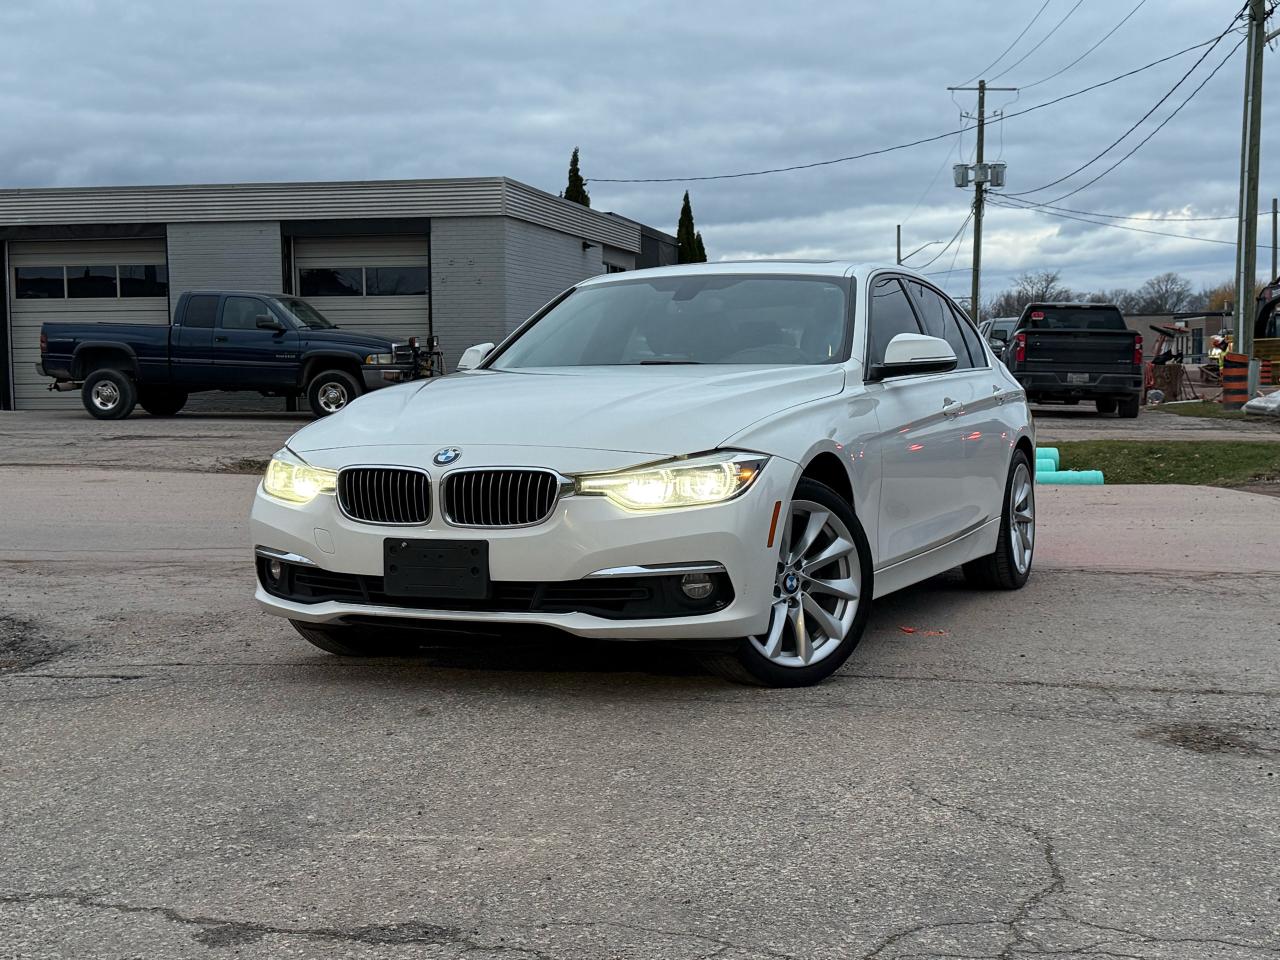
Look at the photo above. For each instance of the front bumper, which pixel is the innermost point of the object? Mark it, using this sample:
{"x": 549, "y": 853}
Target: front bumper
{"x": 386, "y": 374}
{"x": 583, "y": 536}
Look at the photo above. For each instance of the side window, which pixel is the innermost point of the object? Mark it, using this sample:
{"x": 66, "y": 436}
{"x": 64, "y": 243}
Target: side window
{"x": 971, "y": 338}
{"x": 200, "y": 311}
{"x": 940, "y": 322}
{"x": 241, "y": 313}
{"x": 891, "y": 314}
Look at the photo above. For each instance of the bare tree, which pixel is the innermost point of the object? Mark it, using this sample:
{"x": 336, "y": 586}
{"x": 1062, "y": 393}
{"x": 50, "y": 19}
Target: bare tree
{"x": 1039, "y": 286}
{"x": 1167, "y": 293}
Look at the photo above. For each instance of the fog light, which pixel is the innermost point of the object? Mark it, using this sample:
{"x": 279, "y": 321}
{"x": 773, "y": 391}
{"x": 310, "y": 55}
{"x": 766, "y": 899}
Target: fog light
{"x": 697, "y": 586}
{"x": 275, "y": 570}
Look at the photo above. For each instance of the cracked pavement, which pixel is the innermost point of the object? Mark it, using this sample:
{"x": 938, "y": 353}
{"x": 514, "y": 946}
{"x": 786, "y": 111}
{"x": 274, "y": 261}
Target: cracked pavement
{"x": 1088, "y": 768}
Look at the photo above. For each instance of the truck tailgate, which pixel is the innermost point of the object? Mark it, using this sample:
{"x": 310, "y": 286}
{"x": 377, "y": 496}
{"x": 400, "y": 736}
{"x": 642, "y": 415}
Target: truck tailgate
{"x": 1063, "y": 350}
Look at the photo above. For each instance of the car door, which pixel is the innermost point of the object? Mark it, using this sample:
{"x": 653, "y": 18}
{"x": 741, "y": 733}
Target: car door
{"x": 993, "y": 441}
{"x": 977, "y": 427}
{"x": 922, "y": 498}
{"x": 247, "y": 355}
{"x": 191, "y": 341}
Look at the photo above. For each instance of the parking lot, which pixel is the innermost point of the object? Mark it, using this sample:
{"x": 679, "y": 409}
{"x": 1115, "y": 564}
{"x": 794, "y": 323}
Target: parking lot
{"x": 1090, "y": 767}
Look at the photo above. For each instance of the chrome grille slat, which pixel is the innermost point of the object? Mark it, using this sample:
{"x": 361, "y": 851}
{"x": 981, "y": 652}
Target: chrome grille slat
{"x": 499, "y": 496}
{"x": 398, "y": 496}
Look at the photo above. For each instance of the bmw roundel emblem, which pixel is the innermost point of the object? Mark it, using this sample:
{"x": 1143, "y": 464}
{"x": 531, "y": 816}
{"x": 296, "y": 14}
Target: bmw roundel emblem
{"x": 447, "y": 456}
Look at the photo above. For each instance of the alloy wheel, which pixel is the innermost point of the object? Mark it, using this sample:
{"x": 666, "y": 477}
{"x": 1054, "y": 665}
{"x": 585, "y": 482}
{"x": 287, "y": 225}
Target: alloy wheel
{"x": 1022, "y": 517}
{"x": 333, "y": 397}
{"x": 816, "y": 590}
{"x": 105, "y": 395}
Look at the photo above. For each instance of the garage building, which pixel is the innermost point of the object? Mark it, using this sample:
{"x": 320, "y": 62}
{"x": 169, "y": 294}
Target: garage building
{"x": 465, "y": 259}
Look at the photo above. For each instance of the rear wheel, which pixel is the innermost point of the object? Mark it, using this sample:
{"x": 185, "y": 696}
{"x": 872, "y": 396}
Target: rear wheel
{"x": 1010, "y": 566}
{"x": 821, "y": 597}
{"x": 1128, "y": 407}
{"x": 109, "y": 394}
{"x": 330, "y": 391}
{"x": 1106, "y": 405}
{"x": 343, "y": 641}
{"x": 161, "y": 401}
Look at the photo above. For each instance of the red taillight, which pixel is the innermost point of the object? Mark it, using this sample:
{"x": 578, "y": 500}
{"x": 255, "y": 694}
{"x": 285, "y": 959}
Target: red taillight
{"x": 1019, "y": 347}
{"x": 1137, "y": 349}
{"x": 44, "y": 342}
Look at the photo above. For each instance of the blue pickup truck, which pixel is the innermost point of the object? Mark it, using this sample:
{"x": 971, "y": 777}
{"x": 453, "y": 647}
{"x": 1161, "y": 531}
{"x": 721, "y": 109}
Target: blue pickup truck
{"x": 270, "y": 343}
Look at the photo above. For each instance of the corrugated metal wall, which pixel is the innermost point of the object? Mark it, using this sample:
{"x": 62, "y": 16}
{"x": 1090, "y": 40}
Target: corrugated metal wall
{"x": 397, "y": 317}
{"x": 541, "y": 263}
{"x": 468, "y": 278}
{"x": 26, "y": 316}
{"x": 224, "y": 256}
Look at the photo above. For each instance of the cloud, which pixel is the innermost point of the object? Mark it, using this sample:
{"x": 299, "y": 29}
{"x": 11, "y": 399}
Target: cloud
{"x": 142, "y": 91}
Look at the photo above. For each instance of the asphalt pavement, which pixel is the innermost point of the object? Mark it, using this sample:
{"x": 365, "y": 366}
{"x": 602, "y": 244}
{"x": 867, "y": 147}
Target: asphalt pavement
{"x": 1088, "y": 767}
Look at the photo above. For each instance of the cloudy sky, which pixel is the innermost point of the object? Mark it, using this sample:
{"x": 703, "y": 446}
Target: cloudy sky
{"x": 179, "y": 91}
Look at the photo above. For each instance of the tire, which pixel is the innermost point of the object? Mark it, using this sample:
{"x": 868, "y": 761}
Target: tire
{"x": 355, "y": 641}
{"x": 1106, "y": 405}
{"x": 1128, "y": 407}
{"x": 109, "y": 394}
{"x": 161, "y": 402}
{"x": 330, "y": 391}
{"x": 749, "y": 660}
{"x": 1010, "y": 566}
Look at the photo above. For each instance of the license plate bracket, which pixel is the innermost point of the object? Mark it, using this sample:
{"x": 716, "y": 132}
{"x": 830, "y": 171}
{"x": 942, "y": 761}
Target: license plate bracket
{"x": 1077, "y": 378}
{"x": 436, "y": 569}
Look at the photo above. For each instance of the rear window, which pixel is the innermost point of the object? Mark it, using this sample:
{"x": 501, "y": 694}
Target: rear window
{"x": 1046, "y": 317}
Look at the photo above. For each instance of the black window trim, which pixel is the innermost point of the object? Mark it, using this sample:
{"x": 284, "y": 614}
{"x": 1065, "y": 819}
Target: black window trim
{"x": 961, "y": 317}
{"x": 915, "y": 312}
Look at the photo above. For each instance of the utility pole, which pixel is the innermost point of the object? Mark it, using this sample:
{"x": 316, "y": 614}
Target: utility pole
{"x": 1250, "y": 145}
{"x": 983, "y": 174}
{"x": 1275, "y": 236}
{"x": 900, "y": 242}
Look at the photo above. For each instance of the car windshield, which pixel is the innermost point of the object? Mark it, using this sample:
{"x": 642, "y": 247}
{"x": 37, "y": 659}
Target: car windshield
{"x": 713, "y": 318}
{"x": 1048, "y": 317}
{"x": 307, "y": 315}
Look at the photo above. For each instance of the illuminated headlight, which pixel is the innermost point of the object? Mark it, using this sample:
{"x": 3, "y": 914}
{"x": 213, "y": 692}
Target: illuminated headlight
{"x": 678, "y": 483}
{"x": 380, "y": 358}
{"x": 288, "y": 478}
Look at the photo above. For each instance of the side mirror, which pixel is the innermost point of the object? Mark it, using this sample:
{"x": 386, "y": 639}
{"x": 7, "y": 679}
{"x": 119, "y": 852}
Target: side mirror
{"x": 268, "y": 322}
{"x": 913, "y": 353}
{"x": 472, "y": 356}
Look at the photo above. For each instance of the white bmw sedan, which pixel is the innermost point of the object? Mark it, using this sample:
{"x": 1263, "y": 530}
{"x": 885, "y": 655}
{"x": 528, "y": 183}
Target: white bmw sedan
{"x": 737, "y": 456}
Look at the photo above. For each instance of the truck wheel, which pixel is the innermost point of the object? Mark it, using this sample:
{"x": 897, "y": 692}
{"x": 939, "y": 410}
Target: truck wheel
{"x": 109, "y": 394}
{"x": 160, "y": 402}
{"x": 1128, "y": 407}
{"x": 1106, "y": 405}
{"x": 343, "y": 641}
{"x": 331, "y": 390}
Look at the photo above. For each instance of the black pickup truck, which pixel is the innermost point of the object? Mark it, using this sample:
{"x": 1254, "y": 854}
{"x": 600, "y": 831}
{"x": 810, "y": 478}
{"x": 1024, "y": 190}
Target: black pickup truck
{"x": 1077, "y": 351}
{"x": 273, "y": 344}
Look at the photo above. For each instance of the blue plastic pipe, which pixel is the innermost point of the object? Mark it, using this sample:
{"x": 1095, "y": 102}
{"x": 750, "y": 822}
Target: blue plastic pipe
{"x": 1048, "y": 453}
{"x": 1052, "y": 477}
{"x": 1045, "y": 466}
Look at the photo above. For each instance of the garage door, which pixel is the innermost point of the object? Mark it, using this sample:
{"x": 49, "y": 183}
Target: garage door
{"x": 373, "y": 284}
{"x": 99, "y": 281}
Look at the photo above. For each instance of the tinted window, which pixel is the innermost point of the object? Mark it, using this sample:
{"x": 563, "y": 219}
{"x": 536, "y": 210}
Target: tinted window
{"x": 711, "y": 318}
{"x": 937, "y": 316}
{"x": 144, "y": 280}
{"x": 307, "y": 315}
{"x": 38, "y": 283}
{"x": 394, "y": 281}
{"x": 200, "y": 311}
{"x": 331, "y": 281}
{"x": 891, "y": 314}
{"x": 241, "y": 313}
{"x": 1046, "y": 317}
{"x": 91, "y": 282}
{"x": 971, "y": 337}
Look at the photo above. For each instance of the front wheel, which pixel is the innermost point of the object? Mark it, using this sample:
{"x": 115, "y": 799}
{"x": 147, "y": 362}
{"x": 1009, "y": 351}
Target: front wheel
{"x": 1010, "y": 566}
{"x": 344, "y": 641}
{"x": 821, "y": 597}
{"x": 330, "y": 391}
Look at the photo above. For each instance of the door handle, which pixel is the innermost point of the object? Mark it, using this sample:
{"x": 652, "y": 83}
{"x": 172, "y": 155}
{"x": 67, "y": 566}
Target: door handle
{"x": 952, "y": 408}
{"x": 219, "y": 339}
{"x": 995, "y": 390}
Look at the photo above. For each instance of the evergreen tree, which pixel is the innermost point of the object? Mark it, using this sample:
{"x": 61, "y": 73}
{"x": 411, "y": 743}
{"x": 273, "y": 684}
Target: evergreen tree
{"x": 699, "y": 249}
{"x": 577, "y": 188}
{"x": 686, "y": 236}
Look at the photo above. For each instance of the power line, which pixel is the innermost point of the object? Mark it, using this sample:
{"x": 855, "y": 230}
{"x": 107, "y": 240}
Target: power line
{"x": 954, "y": 238}
{"x": 1105, "y": 37}
{"x": 1138, "y": 123}
{"x": 1008, "y": 48}
{"x": 912, "y": 143}
{"x": 1032, "y": 205}
{"x": 1041, "y": 43}
{"x": 1158, "y": 127}
{"x": 1119, "y": 226}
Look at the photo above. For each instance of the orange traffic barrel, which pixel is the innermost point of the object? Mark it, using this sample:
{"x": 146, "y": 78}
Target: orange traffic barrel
{"x": 1235, "y": 381}
{"x": 1264, "y": 372}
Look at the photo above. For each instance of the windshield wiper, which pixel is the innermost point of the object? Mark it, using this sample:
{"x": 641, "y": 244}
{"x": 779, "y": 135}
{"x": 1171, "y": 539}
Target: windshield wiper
{"x": 648, "y": 363}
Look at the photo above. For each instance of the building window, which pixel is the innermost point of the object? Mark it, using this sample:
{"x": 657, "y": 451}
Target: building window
{"x": 144, "y": 280}
{"x": 614, "y": 268}
{"x": 395, "y": 281}
{"x": 331, "y": 282}
{"x": 38, "y": 283}
{"x": 91, "y": 282}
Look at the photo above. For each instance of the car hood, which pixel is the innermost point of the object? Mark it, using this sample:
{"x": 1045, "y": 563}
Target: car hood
{"x": 347, "y": 338}
{"x": 649, "y": 410}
